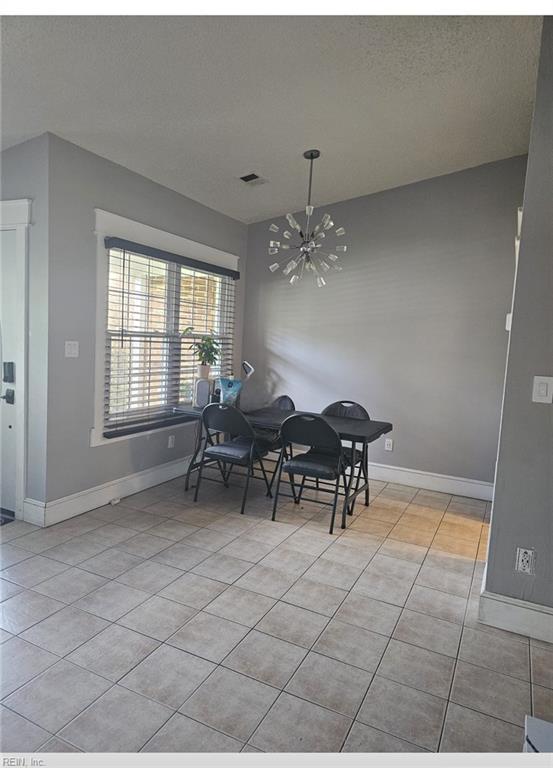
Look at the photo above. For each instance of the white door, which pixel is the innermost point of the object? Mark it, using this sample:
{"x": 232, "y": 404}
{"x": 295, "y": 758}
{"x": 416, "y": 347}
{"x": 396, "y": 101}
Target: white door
{"x": 9, "y": 333}
{"x": 14, "y": 222}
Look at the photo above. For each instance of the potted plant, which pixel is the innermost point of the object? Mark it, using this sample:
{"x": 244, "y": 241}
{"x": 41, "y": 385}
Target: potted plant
{"x": 207, "y": 349}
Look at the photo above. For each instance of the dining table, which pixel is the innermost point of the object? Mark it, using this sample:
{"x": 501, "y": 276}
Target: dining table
{"x": 358, "y": 433}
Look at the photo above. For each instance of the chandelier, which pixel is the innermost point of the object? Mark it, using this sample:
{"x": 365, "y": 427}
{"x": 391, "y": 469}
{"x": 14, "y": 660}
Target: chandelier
{"x": 307, "y": 249}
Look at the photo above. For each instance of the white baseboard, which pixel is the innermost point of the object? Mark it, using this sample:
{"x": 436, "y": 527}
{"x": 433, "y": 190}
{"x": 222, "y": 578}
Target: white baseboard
{"x": 518, "y": 616}
{"x": 457, "y": 486}
{"x": 33, "y": 511}
{"x": 50, "y": 512}
{"x": 43, "y": 514}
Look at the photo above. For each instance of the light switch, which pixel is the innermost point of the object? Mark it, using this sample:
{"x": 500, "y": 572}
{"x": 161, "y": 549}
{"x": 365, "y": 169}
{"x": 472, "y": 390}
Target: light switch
{"x": 72, "y": 349}
{"x": 542, "y": 391}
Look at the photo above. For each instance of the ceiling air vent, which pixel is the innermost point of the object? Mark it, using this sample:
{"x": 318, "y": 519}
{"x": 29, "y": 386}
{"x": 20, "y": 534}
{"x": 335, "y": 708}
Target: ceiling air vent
{"x": 253, "y": 180}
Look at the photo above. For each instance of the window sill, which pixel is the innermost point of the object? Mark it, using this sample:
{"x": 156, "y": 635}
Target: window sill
{"x": 97, "y": 436}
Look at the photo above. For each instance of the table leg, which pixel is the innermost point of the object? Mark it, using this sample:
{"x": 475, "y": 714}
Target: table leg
{"x": 347, "y": 488}
{"x": 192, "y": 464}
{"x": 366, "y": 472}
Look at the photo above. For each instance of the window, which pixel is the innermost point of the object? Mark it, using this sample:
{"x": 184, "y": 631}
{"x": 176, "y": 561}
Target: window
{"x": 153, "y": 297}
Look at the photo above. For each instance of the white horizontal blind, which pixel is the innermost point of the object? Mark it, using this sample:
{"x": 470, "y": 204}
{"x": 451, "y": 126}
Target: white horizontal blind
{"x": 150, "y": 368}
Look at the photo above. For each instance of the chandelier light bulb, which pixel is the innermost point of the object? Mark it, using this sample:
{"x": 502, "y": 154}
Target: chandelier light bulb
{"x": 294, "y": 279}
{"x": 325, "y": 219}
{"x": 287, "y": 234}
{"x": 293, "y": 223}
{"x": 320, "y": 282}
{"x": 274, "y": 244}
{"x": 324, "y": 266}
{"x": 332, "y": 257}
{"x": 329, "y": 224}
{"x": 342, "y": 248}
{"x": 273, "y": 251}
{"x": 274, "y": 267}
{"x": 340, "y": 231}
{"x": 273, "y": 228}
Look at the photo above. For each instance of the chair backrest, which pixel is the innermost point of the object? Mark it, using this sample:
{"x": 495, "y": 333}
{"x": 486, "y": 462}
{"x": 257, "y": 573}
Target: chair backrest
{"x": 283, "y": 403}
{"x": 221, "y": 417}
{"x": 314, "y": 431}
{"x": 346, "y": 409}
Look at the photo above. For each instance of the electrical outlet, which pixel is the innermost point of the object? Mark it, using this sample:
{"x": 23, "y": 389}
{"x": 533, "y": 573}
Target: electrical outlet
{"x": 388, "y": 444}
{"x": 526, "y": 561}
{"x": 171, "y": 441}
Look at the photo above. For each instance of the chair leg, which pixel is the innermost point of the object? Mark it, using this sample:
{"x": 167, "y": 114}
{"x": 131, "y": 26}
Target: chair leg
{"x": 269, "y": 494}
{"x": 345, "y": 479}
{"x": 345, "y": 508}
{"x": 246, "y": 489}
{"x": 301, "y": 489}
{"x": 293, "y": 487}
{"x": 273, "y": 477}
{"x": 357, "y": 482}
{"x": 366, "y": 472}
{"x": 199, "y": 479}
{"x": 278, "y": 473}
{"x": 334, "y": 504}
{"x": 197, "y": 449}
{"x": 227, "y": 476}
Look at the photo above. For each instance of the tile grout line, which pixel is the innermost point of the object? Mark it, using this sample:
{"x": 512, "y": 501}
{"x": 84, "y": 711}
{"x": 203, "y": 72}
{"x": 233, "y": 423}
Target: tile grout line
{"x": 440, "y": 739}
{"x": 112, "y": 623}
{"x": 380, "y": 660}
{"x": 245, "y": 532}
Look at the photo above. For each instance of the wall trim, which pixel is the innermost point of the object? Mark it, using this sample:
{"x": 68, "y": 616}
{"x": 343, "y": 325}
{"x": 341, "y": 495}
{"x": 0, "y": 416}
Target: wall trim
{"x": 111, "y": 224}
{"x": 51, "y": 512}
{"x": 515, "y": 615}
{"x": 431, "y": 481}
{"x": 15, "y": 213}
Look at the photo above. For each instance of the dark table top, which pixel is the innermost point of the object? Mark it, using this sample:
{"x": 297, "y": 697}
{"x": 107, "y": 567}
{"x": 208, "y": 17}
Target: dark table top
{"x": 349, "y": 429}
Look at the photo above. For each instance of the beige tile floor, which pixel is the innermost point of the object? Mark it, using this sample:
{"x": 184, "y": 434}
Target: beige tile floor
{"x": 163, "y": 625}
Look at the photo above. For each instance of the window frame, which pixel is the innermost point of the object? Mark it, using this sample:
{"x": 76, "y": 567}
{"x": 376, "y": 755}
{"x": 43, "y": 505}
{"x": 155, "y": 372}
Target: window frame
{"x": 112, "y": 225}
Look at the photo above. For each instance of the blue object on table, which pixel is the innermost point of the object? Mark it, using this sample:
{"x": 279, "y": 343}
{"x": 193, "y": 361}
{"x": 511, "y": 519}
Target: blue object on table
{"x": 230, "y": 389}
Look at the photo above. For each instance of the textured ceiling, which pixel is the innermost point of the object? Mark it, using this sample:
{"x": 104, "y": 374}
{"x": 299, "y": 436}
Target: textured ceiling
{"x": 196, "y": 102}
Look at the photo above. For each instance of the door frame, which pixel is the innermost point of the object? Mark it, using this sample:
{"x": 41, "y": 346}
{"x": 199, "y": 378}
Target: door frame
{"x": 16, "y": 215}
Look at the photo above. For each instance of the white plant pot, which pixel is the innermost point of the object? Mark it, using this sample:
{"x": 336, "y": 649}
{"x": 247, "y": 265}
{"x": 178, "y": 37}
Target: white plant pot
{"x": 203, "y": 371}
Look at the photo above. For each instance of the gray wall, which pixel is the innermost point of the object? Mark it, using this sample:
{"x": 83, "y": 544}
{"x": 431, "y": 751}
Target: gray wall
{"x": 63, "y": 274}
{"x": 79, "y": 182}
{"x": 522, "y": 512}
{"x": 24, "y": 174}
{"x": 414, "y": 326}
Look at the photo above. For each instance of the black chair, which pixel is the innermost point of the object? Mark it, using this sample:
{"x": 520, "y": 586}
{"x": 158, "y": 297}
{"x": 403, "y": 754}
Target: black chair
{"x": 352, "y": 457}
{"x": 243, "y": 447}
{"x": 283, "y": 403}
{"x": 323, "y": 461}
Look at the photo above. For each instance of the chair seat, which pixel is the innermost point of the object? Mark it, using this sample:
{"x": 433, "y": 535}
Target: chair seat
{"x": 237, "y": 450}
{"x": 351, "y": 457}
{"x": 268, "y": 437}
{"x": 312, "y": 464}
